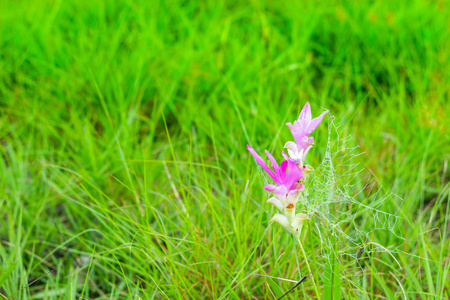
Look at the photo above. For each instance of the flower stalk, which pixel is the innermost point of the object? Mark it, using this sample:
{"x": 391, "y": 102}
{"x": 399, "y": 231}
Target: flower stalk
{"x": 289, "y": 177}
{"x": 309, "y": 268}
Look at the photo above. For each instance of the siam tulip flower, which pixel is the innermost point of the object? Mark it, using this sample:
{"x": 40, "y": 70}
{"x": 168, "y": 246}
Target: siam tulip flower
{"x": 286, "y": 175}
{"x": 301, "y": 129}
{"x": 289, "y": 176}
{"x": 304, "y": 126}
{"x": 286, "y": 192}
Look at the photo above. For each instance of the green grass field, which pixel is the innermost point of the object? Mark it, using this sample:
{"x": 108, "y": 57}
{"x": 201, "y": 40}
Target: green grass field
{"x": 124, "y": 125}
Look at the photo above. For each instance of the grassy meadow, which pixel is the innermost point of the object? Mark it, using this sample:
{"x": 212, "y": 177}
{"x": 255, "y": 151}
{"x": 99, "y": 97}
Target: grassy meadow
{"x": 124, "y": 172}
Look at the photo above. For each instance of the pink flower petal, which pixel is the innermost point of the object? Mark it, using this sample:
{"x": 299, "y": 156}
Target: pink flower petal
{"x": 290, "y": 125}
{"x": 298, "y": 186}
{"x": 272, "y": 160}
{"x": 263, "y": 164}
{"x": 305, "y": 115}
{"x": 282, "y": 170}
{"x": 293, "y": 174}
{"x": 314, "y": 123}
{"x": 305, "y": 142}
{"x": 278, "y": 190}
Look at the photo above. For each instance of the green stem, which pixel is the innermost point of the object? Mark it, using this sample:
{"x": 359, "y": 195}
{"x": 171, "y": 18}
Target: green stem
{"x": 299, "y": 269}
{"x": 309, "y": 269}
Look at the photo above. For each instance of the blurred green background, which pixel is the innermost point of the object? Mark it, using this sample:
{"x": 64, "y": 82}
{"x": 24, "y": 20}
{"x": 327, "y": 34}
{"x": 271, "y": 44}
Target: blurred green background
{"x": 123, "y": 127}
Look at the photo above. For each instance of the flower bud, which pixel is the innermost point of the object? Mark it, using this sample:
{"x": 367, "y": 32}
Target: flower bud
{"x": 306, "y": 170}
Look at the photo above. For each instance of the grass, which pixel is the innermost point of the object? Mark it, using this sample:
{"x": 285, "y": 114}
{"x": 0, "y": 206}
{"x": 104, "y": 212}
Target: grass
{"x": 123, "y": 131}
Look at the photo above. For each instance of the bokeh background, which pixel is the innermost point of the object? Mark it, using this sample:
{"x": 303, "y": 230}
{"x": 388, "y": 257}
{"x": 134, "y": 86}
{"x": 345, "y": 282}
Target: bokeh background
{"x": 123, "y": 131}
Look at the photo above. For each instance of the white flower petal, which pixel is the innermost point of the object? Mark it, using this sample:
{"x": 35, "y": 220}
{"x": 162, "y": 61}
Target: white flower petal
{"x": 297, "y": 223}
{"x": 289, "y": 212}
{"x": 283, "y": 221}
{"x": 292, "y": 154}
{"x": 291, "y": 146}
{"x": 292, "y": 197}
{"x": 306, "y": 152}
{"x": 277, "y": 203}
{"x": 291, "y": 201}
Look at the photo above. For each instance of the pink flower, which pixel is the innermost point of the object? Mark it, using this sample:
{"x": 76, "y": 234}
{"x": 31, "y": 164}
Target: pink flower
{"x": 304, "y": 126}
{"x": 286, "y": 175}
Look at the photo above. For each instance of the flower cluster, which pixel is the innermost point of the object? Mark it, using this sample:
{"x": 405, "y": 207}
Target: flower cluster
{"x": 290, "y": 174}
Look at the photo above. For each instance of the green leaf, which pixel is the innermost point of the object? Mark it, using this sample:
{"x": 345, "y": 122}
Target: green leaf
{"x": 332, "y": 277}
{"x": 4, "y": 274}
{"x": 336, "y": 278}
{"x": 328, "y": 279}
